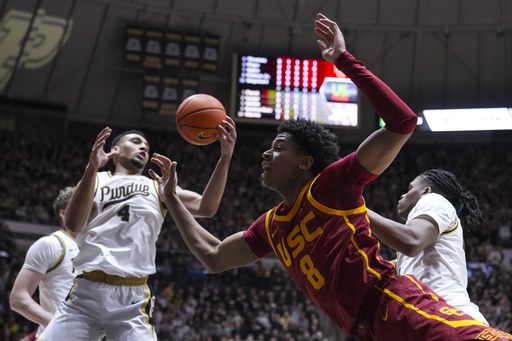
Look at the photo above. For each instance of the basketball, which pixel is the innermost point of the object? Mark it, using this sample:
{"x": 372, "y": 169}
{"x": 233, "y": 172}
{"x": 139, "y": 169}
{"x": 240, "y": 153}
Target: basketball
{"x": 198, "y": 118}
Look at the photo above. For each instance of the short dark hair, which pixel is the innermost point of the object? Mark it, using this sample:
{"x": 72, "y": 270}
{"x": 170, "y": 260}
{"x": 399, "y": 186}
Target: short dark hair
{"x": 445, "y": 183}
{"x": 118, "y": 138}
{"x": 314, "y": 140}
{"x": 62, "y": 201}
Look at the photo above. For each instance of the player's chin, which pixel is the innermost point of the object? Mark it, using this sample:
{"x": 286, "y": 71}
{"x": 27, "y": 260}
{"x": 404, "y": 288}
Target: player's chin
{"x": 140, "y": 164}
{"x": 265, "y": 181}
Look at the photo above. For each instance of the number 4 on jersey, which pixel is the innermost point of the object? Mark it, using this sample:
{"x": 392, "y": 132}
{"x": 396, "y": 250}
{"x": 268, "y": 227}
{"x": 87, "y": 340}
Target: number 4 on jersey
{"x": 124, "y": 213}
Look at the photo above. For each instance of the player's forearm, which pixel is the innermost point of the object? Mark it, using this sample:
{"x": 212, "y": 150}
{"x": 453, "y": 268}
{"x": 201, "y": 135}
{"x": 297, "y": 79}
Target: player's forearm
{"x": 395, "y": 235}
{"x": 30, "y": 309}
{"x": 199, "y": 241}
{"x": 80, "y": 204}
{"x": 398, "y": 117}
{"x": 212, "y": 194}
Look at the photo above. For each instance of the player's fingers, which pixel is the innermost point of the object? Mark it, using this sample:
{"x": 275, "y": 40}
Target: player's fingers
{"x": 157, "y": 161}
{"x": 325, "y": 36}
{"x": 323, "y": 25}
{"x": 161, "y": 161}
{"x": 332, "y": 26}
{"x": 173, "y": 167}
{"x": 154, "y": 175}
{"x": 231, "y": 127}
{"x": 104, "y": 134}
{"x": 321, "y": 44}
{"x": 112, "y": 153}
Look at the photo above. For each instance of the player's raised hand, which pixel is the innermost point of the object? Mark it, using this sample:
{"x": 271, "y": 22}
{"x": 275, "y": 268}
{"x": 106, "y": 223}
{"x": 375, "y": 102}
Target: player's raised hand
{"x": 99, "y": 157}
{"x": 227, "y": 137}
{"x": 168, "y": 181}
{"x": 332, "y": 43}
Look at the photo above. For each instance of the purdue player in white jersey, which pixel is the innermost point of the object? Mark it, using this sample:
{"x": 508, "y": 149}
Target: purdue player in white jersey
{"x": 119, "y": 217}
{"x": 430, "y": 245}
{"x": 49, "y": 266}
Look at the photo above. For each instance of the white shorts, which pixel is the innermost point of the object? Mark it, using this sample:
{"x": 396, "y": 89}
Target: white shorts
{"x": 94, "y": 310}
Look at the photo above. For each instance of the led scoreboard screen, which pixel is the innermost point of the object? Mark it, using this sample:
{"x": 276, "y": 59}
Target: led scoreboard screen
{"x": 269, "y": 90}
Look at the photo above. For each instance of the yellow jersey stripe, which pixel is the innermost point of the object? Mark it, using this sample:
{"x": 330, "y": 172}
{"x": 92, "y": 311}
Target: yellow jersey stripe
{"x": 452, "y": 229}
{"x": 365, "y": 256}
{"x": 267, "y": 227}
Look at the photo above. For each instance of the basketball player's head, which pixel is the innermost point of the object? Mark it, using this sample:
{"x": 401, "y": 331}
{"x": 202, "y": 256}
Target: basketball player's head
{"x": 61, "y": 202}
{"x": 446, "y": 184}
{"x": 133, "y": 149}
{"x": 314, "y": 140}
{"x": 443, "y": 183}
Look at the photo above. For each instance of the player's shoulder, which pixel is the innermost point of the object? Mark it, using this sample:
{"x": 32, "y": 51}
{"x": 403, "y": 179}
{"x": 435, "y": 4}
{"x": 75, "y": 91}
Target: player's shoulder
{"x": 64, "y": 236}
{"x": 44, "y": 246}
{"x": 48, "y": 240}
{"x": 435, "y": 200}
{"x": 104, "y": 175}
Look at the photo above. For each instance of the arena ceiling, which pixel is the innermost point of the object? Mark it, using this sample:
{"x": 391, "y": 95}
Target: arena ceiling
{"x": 66, "y": 59}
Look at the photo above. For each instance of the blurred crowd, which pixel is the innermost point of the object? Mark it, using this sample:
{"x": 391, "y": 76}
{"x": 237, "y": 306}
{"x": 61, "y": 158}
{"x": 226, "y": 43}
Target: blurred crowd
{"x": 259, "y": 302}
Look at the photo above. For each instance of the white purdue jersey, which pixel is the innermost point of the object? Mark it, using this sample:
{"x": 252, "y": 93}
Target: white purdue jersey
{"x": 441, "y": 265}
{"x": 125, "y": 222}
{"x": 52, "y": 256}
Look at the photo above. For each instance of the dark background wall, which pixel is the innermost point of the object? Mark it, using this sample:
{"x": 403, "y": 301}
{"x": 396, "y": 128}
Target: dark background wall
{"x": 62, "y": 62}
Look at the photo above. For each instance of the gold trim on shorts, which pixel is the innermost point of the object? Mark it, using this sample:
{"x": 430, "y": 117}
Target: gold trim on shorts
{"x": 101, "y": 277}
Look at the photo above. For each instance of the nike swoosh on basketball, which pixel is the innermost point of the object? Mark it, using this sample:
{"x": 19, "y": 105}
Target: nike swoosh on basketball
{"x": 201, "y": 137}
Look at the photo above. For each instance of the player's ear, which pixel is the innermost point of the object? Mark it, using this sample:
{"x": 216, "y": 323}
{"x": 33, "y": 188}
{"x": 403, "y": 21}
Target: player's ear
{"x": 306, "y": 162}
{"x": 427, "y": 190}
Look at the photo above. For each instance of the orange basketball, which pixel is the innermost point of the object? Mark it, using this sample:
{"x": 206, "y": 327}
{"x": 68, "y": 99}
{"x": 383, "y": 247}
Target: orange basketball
{"x": 198, "y": 118}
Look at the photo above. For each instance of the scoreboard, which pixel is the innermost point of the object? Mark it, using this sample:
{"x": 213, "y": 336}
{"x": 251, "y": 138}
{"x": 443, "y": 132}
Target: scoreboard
{"x": 269, "y": 90}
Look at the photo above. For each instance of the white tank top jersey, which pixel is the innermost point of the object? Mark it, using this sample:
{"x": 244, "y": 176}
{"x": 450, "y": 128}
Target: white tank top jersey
{"x": 442, "y": 265}
{"x": 53, "y": 256}
{"x": 125, "y": 222}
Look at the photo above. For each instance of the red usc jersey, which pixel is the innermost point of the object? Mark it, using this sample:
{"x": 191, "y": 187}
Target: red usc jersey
{"x": 324, "y": 241}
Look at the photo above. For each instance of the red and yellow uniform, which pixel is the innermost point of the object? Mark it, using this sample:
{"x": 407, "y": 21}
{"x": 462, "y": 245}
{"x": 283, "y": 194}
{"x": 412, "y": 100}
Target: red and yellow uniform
{"x": 324, "y": 241}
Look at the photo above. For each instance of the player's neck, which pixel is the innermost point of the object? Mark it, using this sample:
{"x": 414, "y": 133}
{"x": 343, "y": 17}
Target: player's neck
{"x": 127, "y": 171}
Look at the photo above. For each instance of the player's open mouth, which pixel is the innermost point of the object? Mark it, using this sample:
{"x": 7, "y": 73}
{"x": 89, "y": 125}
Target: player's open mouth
{"x": 265, "y": 166}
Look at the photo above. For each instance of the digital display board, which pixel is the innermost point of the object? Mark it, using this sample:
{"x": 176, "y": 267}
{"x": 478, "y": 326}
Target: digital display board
{"x": 469, "y": 119}
{"x": 270, "y": 90}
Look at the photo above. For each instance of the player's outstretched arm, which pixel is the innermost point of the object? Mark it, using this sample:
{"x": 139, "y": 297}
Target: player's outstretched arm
{"x": 80, "y": 204}
{"x": 215, "y": 255}
{"x": 408, "y": 239}
{"x": 205, "y": 205}
{"x": 378, "y": 151}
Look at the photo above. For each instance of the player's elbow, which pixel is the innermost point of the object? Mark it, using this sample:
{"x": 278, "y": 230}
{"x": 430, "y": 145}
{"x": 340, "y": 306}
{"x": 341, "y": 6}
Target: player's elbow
{"x": 15, "y": 301}
{"x": 213, "y": 270}
{"x": 405, "y": 126}
{"x": 214, "y": 263}
{"x": 213, "y": 266}
{"x": 208, "y": 211}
